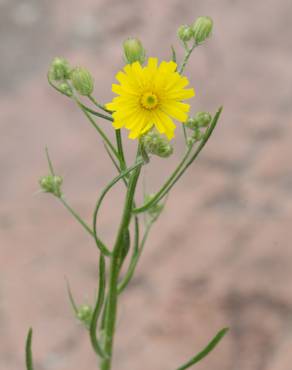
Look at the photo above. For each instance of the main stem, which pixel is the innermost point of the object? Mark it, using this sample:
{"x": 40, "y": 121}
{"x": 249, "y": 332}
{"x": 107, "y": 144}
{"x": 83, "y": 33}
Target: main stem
{"x": 115, "y": 265}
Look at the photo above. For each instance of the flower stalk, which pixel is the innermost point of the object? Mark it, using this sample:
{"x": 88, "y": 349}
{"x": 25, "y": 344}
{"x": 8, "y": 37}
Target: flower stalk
{"x": 149, "y": 98}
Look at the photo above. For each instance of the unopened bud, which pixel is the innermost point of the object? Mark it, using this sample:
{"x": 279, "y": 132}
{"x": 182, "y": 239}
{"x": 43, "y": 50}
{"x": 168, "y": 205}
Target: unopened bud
{"x": 156, "y": 144}
{"x": 65, "y": 89}
{"x": 84, "y": 314}
{"x": 51, "y": 184}
{"x": 201, "y": 119}
{"x": 202, "y": 29}
{"x": 185, "y": 33}
{"x": 134, "y": 51}
{"x": 59, "y": 69}
{"x": 82, "y": 81}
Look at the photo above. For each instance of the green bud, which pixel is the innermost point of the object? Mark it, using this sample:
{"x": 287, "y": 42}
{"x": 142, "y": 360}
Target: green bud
{"x": 191, "y": 123}
{"x": 190, "y": 141}
{"x": 185, "y": 33}
{"x": 134, "y": 51}
{"x": 82, "y": 81}
{"x": 201, "y": 119}
{"x": 59, "y": 69}
{"x": 156, "y": 144}
{"x": 197, "y": 135}
{"x": 202, "y": 29}
{"x": 65, "y": 89}
{"x": 84, "y": 314}
{"x": 51, "y": 184}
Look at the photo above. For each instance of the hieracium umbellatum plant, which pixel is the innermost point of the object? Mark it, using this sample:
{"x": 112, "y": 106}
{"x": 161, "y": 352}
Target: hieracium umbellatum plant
{"x": 152, "y": 105}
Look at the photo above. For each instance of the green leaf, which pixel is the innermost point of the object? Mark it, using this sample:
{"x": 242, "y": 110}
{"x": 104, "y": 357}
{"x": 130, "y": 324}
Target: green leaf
{"x": 173, "y": 54}
{"x": 71, "y": 298}
{"x": 211, "y": 345}
{"x": 28, "y": 351}
{"x": 126, "y": 245}
{"x": 97, "y": 309}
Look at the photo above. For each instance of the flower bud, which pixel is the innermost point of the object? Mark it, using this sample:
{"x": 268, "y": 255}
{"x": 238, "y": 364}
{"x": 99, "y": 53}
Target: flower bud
{"x": 59, "y": 69}
{"x": 185, "y": 33}
{"x": 134, "y": 51}
{"x": 156, "y": 144}
{"x": 84, "y": 314}
{"x": 51, "y": 184}
{"x": 82, "y": 81}
{"x": 65, "y": 89}
{"x": 202, "y": 29}
{"x": 201, "y": 119}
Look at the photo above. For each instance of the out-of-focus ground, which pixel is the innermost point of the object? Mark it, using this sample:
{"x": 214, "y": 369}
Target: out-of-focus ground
{"x": 220, "y": 255}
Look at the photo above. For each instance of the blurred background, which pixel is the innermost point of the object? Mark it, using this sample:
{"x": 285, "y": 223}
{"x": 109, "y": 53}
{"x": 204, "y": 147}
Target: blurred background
{"x": 221, "y": 253}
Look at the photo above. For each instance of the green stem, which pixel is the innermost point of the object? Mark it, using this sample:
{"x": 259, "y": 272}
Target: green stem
{"x": 188, "y": 53}
{"x": 99, "y": 130}
{"x": 76, "y": 216}
{"x": 95, "y": 113}
{"x": 120, "y": 149}
{"x": 103, "y": 194}
{"x": 157, "y": 196}
{"x": 134, "y": 260}
{"x": 101, "y": 106}
{"x": 99, "y": 243}
{"x": 111, "y": 307}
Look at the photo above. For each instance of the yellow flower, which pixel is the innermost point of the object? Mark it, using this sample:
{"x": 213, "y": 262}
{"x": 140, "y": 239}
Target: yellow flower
{"x": 150, "y": 96}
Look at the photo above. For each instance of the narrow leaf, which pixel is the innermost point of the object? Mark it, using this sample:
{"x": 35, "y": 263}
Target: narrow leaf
{"x": 97, "y": 309}
{"x": 206, "y": 350}
{"x": 28, "y": 351}
{"x": 173, "y": 54}
{"x": 71, "y": 298}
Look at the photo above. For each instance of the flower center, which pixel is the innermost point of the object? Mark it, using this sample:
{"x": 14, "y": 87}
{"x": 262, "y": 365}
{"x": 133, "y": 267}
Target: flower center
{"x": 149, "y": 100}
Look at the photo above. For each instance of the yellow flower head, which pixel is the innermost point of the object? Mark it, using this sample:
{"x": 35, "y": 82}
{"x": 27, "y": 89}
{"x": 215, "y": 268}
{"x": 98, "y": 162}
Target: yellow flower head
{"x": 150, "y": 96}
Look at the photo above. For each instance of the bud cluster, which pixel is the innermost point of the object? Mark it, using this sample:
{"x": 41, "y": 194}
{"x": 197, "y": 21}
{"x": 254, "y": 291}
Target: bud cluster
{"x": 197, "y": 124}
{"x": 155, "y": 143}
{"x": 84, "y": 314}
{"x": 64, "y": 78}
{"x": 51, "y": 184}
{"x": 199, "y": 31}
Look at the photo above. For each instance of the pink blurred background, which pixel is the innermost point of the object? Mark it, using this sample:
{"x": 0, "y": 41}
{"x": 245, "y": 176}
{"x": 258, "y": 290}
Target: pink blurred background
{"x": 221, "y": 253}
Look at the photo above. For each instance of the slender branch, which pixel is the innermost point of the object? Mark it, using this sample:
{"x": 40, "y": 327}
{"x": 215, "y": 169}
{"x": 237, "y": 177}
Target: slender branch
{"x": 95, "y": 113}
{"x": 188, "y": 53}
{"x": 99, "y": 130}
{"x": 205, "y": 351}
{"x": 99, "y": 243}
{"x": 184, "y": 164}
{"x": 101, "y": 106}
{"x": 103, "y": 194}
{"x": 75, "y": 215}
{"x": 120, "y": 149}
{"x": 155, "y": 198}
